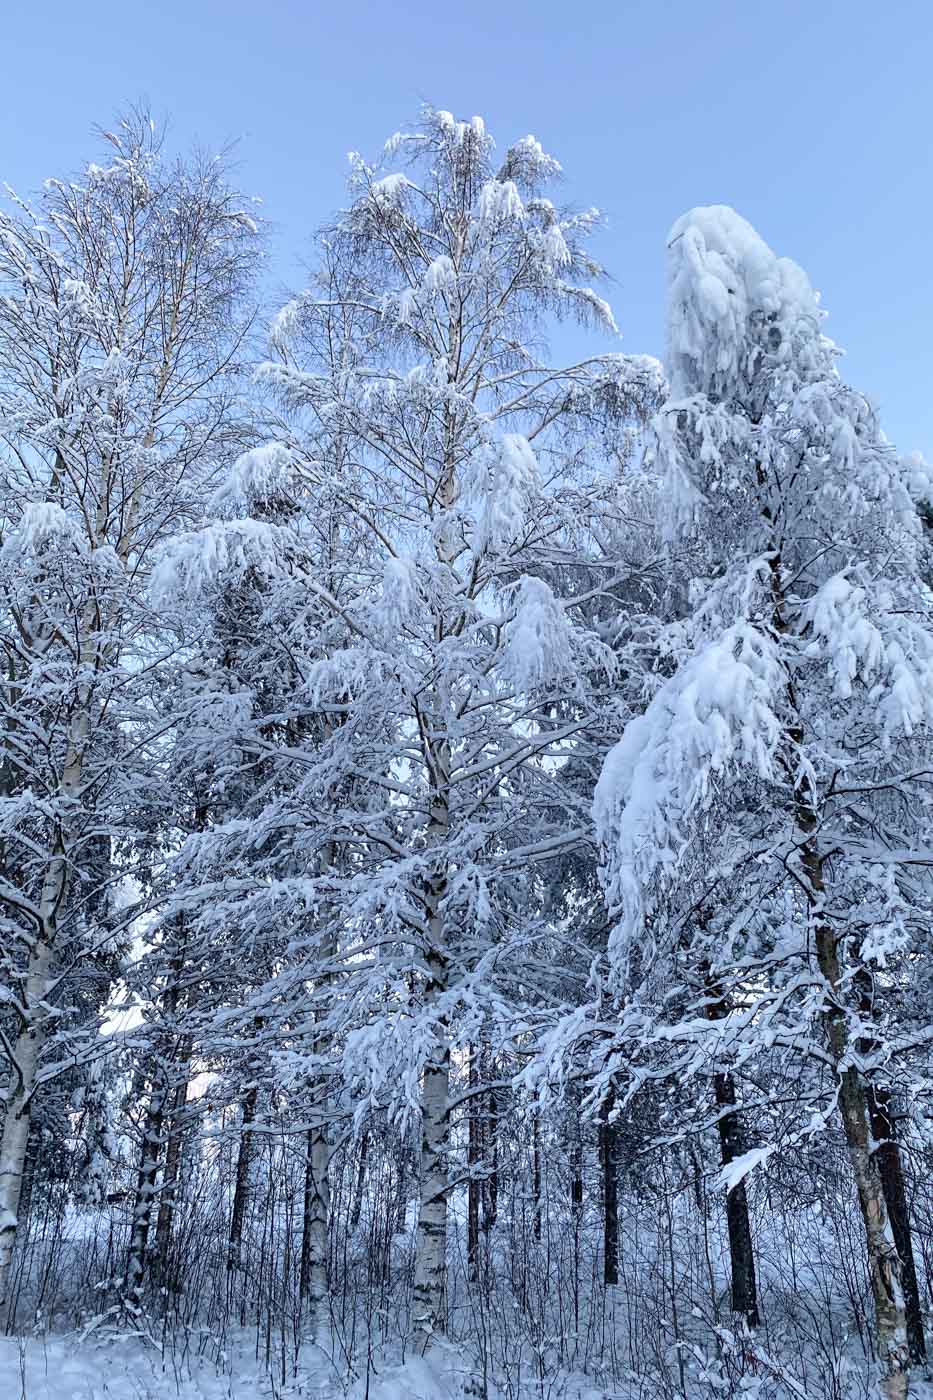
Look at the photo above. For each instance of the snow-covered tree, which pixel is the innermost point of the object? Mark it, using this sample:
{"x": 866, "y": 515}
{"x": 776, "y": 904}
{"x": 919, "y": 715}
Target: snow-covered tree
{"x": 122, "y": 311}
{"x": 766, "y": 821}
{"x": 461, "y": 470}
{"x": 465, "y": 837}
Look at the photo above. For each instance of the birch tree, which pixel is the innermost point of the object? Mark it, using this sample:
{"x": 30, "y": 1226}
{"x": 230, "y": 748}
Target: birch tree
{"x": 422, "y": 417}
{"x": 465, "y": 455}
{"x": 123, "y": 310}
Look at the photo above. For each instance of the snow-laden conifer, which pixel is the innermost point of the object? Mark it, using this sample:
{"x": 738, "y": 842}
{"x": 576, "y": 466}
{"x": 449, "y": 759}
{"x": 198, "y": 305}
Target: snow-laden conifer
{"x": 766, "y": 822}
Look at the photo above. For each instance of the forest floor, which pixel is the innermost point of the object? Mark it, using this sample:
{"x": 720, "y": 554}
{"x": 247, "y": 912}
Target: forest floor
{"x": 65, "y": 1368}
{"x": 97, "y": 1368}
{"x": 69, "y": 1368}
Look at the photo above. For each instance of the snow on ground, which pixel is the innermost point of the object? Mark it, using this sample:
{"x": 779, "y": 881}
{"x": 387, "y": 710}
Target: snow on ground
{"x": 69, "y": 1368}
{"x": 61, "y": 1368}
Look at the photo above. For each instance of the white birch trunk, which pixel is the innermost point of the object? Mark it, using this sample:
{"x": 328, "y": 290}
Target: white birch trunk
{"x": 430, "y": 1288}
{"x": 314, "y": 1272}
{"x": 150, "y": 1156}
{"x": 429, "y": 1298}
{"x": 314, "y": 1284}
{"x": 431, "y": 1257}
{"x": 884, "y": 1263}
{"x": 16, "y": 1123}
{"x": 30, "y": 1041}
{"x": 885, "y": 1268}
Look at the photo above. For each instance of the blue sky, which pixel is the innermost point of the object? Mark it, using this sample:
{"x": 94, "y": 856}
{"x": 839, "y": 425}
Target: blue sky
{"x": 811, "y": 117}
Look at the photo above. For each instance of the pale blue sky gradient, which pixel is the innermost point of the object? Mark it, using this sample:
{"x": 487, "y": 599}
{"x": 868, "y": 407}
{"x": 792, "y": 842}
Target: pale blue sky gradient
{"x": 811, "y": 117}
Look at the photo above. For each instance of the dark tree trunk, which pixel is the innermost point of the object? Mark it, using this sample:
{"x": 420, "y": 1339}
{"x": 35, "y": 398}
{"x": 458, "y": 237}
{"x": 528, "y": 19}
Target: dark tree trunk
{"x": 176, "y": 1056}
{"x": 536, "y": 1173}
{"x": 474, "y": 1158}
{"x": 153, "y": 1133}
{"x": 576, "y": 1162}
{"x": 33, "y": 1153}
{"x": 170, "y": 1172}
{"x": 731, "y": 1146}
{"x": 491, "y": 1182}
{"x": 241, "y": 1187}
{"x": 304, "y": 1277}
{"x": 403, "y": 1176}
{"x": 741, "y": 1251}
{"x": 608, "y": 1136}
{"x": 356, "y": 1209}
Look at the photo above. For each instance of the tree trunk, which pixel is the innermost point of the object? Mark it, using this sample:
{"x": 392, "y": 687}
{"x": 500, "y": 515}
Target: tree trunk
{"x": 433, "y": 715}
{"x": 31, "y": 1036}
{"x": 313, "y": 1283}
{"x": 33, "y": 1155}
{"x": 241, "y": 1185}
{"x": 175, "y": 1055}
{"x": 884, "y": 1264}
{"x": 150, "y": 1153}
{"x": 403, "y": 1174}
{"x": 608, "y": 1134}
{"x": 576, "y": 1158}
{"x": 890, "y": 1167}
{"x": 359, "y": 1189}
{"x": 170, "y": 1172}
{"x": 741, "y": 1251}
{"x": 536, "y": 1173}
{"x": 491, "y": 1183}
{"x": 429, "y": 1297}
{"x": 16, "y": 1122}
{"x": 474, "y": 1158}
{"x": 731, "y": 1146}
{"x": 314, "y": 1239}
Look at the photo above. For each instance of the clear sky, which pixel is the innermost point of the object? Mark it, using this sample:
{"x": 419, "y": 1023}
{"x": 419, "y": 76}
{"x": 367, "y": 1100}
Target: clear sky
{"x": 811, "y": 117}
